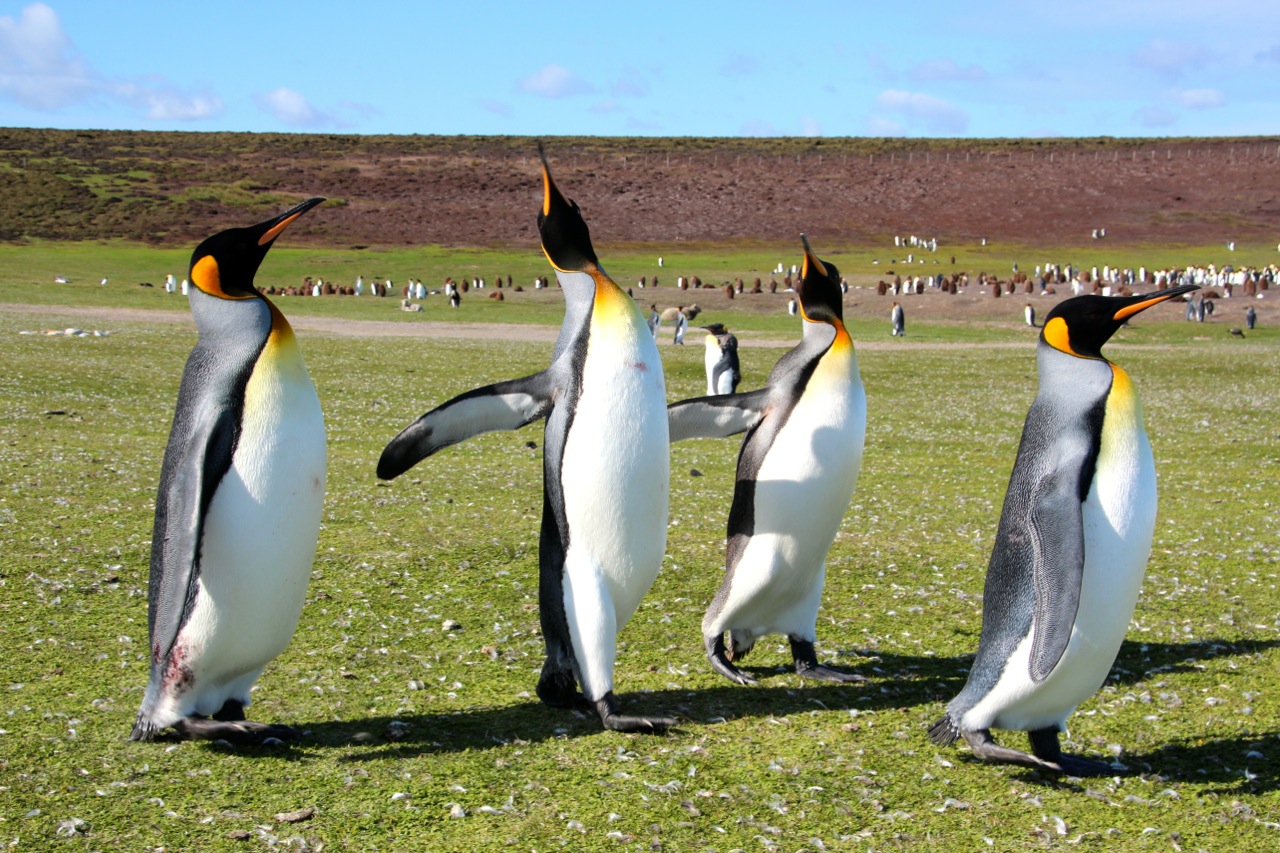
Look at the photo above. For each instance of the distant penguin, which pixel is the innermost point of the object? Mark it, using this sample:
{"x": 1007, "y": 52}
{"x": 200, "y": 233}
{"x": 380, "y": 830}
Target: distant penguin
{"x": 605, "y": 475}
{"x": 1029, "y": 313}
{"x": 797, "y": 470}
{"x": 241, "y": 491}
{"x": 721, "y": 360}
{"x": 1071, "y": 548}
{"x": 898, "y": 318}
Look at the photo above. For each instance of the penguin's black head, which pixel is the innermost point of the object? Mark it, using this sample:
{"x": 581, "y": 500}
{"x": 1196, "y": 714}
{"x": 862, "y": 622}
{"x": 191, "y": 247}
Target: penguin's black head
{"x": 715, "y": 328}
{"x": 224, "y": 265}
{"x": 1081, "y": 325}
{"x": 820, "y": 299}
{"x": 565, "y": 238}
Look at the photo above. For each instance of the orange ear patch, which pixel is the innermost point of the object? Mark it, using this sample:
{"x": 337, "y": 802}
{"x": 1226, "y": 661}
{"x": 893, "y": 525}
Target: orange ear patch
{"x": 205, "y": 275}
{"x": 1056, "y": 334}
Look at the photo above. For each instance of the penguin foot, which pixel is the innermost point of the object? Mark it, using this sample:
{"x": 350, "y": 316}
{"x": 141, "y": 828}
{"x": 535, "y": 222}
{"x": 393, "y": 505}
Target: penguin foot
{"x": 984, "y": 747}
{"x": 239, "y": 732}
{"x": 1076, "y": 765}
{"x": 1044, "y": 743}
{"x": 807, "y": 665}
{"x": 826, "y": 673}
{"x": 720, "y": 661}
{"x": 558, "y": 689}
{"x": 944, "y": 732}
{"x": 607, "y": 707}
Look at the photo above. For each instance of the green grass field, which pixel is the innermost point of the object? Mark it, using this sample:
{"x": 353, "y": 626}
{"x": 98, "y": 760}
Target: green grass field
{"x": 421, "y": 737}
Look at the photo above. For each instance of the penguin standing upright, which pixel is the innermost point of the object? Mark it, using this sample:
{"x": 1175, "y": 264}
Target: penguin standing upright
{"x": 898, "y": 318}
{"x": 1072, "y": 544}
{"x": 241, "y": 491}
{"x": 797, "y": 470}
{"x": 721, "y": 359}
{"x": 605, "y": 465}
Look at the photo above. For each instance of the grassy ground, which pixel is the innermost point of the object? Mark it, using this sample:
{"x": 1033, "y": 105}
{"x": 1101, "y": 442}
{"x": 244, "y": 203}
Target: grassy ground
{"x": 422, "y": 737}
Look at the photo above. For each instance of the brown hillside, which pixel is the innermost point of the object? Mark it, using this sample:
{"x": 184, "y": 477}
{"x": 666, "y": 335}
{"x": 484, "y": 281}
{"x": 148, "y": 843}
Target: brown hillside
{"x": 175, "y": 187}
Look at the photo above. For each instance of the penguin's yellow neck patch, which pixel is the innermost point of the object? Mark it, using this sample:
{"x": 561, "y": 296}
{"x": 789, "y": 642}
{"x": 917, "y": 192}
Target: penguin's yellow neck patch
{"x": 843, "y": 341}
{"x": 1057, "y": 335}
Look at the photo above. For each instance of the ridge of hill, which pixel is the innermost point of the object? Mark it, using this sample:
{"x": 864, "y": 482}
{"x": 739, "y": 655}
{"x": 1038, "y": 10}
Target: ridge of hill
{"x": 170, "y": 188}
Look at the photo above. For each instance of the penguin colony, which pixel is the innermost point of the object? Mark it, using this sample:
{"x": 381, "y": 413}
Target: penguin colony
{"x": 242, "y": 486}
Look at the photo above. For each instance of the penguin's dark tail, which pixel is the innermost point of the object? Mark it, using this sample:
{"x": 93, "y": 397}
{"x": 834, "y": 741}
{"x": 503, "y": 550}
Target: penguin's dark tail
{"x": 944, "y": 732}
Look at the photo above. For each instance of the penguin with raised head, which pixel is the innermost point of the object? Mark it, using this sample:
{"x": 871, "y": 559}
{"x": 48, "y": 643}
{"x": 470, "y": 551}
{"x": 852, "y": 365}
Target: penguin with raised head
{"x": 605, "y": 465}
{"x": 241, "y": 492}
{"x": 797, "y": 470}
{"x": 721, "y": 359}
{"x": 1071, "y": 548}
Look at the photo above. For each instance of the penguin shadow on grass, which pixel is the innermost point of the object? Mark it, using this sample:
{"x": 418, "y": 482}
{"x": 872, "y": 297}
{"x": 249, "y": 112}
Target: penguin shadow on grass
{"x": 1139, "y": 661}
{"x": 1244, "y": 764}
{"x": 894, "y": 683}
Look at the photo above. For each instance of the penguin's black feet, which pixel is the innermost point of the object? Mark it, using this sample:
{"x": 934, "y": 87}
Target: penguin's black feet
{"x": 807, "y": 665}
{"x": 1045, "y": 746}
{"x": 559, "y": 689}
{"x": 607, "y": 707}
{"x": 720, "y": 661}
{"x": 240, "y": 732}
{"x": 984, "y": 747}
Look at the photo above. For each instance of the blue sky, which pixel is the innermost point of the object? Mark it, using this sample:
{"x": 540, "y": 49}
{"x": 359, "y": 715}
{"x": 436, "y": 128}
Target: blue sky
{"x": 652, "y": 68}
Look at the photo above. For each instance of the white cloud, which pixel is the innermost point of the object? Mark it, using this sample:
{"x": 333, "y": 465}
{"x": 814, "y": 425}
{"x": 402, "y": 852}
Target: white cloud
{"x": 947, "y": 70}
{"x": 41, "y": 69}
{"x": 934, "y": 114}
{"x": 809, "y": 126}
{"x": 880, "y": 126}
{"x": 554, "y": 81}
{"x": 164, "y": 103}
{"x": 293, "y": 108}
{"x": 1200, "y": 99}
{"x": 39, "y": 66}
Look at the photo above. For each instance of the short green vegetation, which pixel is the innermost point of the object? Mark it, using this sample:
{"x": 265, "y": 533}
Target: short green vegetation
{"x": 414, "y": 664}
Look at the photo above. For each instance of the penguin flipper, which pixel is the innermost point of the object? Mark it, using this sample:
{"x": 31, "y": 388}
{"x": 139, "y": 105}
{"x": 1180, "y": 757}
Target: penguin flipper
{"x": 1057, "y": 542}
{"x": 503, "y": 406}
{"x": 188, "y": 481}
{"x": 719, "y": 416}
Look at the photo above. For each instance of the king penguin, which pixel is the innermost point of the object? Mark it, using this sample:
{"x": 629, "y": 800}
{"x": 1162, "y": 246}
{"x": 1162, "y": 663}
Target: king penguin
{"x": 723, "y": 373}
{"x": 797, "y": 470}
{"x": 241, "y": 491}
{"x": 605, "y": 465}
{"x": 1071, "y": 547}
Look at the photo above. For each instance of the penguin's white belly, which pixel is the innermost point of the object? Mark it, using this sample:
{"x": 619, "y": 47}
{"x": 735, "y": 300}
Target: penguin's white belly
{"x": 711, "y": 358}
{"x": 802, "y": 491}
{"x": 615, "y": 473}
{"x": 258, "y": 546}
{"x": 1119, "y": 522}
